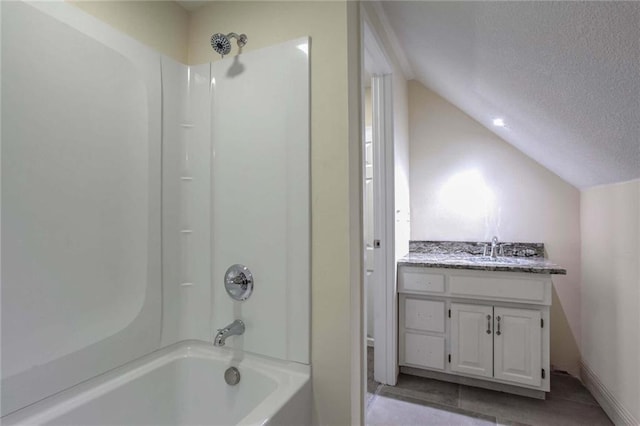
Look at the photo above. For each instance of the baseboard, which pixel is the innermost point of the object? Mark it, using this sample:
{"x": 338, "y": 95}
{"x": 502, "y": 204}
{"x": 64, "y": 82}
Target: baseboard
{"x": 618, "y": 414}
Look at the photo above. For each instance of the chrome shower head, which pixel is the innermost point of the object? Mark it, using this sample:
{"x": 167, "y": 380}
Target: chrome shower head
{"x": 222, "y": 45}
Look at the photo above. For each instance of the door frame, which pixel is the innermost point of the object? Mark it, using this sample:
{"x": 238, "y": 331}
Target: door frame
{"x": 379, "y": 67}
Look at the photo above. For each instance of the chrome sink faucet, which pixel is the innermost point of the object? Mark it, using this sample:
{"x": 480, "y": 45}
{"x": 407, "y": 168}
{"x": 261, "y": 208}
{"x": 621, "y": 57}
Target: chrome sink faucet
{"x": 494, "y": 248}
{"x": 236, "y": 328}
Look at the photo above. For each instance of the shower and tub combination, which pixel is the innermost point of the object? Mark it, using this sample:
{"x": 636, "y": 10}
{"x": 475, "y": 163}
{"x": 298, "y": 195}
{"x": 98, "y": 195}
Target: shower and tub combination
{"x": 149, "y": 210}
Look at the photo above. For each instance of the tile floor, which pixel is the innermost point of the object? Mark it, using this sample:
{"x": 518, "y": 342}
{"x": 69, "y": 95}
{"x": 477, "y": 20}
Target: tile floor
{"x": 420, "y": 401}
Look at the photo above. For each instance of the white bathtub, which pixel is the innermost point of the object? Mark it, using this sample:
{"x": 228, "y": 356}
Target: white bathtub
{"x": 182, "y": 384}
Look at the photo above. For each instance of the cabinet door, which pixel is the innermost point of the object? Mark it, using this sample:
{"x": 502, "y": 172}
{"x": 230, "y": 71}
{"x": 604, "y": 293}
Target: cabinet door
{"x": 472, "y": 339}
{"x": 424, "y": 315}
{"x": 518, "y": 345}
{"x": 425, "y": 351}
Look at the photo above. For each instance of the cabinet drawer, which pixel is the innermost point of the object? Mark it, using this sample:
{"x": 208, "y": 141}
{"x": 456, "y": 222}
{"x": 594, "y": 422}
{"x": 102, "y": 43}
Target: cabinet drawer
{"x": 418, "y": 279}
{"x": 516, "y": 289}
{"x": 424, "y": 315}
{"x": 424, "y": 351}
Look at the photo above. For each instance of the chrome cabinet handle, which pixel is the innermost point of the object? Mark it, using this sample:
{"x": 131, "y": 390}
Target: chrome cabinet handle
{"x": 488, "y": 324}
{"x": 498, "y": 331}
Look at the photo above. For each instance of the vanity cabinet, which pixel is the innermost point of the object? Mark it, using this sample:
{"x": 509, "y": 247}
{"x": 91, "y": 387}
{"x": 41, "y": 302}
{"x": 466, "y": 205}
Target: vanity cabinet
{"x": 492, "y": 341}
{"x": 517, "y": 345}
{"x": 472, "y": 339}
{"x": 424, "y": 336}
{"x": 476, "y": 327}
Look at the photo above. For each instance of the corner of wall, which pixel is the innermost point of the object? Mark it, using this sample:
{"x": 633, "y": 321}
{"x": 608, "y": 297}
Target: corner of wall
{"x": 610, "y": 230}
{"x": 617, "y": 412}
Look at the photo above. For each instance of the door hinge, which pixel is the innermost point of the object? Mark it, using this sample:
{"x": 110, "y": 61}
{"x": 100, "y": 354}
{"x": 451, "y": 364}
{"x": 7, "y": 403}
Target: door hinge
{"x": 543, "y": 373}
{"x": 449, "y": 313}
{"x": 449, "y": 358}
{"x": 541, "y": 322}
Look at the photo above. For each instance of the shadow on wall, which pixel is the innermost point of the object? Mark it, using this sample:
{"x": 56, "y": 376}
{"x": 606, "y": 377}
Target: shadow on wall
{"x": 564, "y": 348}
{"x": 236, "y": 67}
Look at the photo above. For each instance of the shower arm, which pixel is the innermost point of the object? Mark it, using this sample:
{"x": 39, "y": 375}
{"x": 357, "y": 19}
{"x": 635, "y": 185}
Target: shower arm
{"x": 222, "y": 43}
{"x": 241, "y": 39}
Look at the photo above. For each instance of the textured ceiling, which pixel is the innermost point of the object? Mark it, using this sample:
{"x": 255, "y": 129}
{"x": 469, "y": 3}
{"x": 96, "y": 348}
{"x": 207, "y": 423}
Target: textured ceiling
{"x": 565, "y": 76}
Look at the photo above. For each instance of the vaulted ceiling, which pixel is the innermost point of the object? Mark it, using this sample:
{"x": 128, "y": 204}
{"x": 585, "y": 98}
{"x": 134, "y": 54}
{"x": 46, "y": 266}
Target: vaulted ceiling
{"x": 564, "y": 76}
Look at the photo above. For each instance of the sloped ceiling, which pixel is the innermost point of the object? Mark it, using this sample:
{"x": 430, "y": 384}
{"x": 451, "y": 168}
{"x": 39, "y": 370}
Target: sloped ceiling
{"x": 564, "y": 76}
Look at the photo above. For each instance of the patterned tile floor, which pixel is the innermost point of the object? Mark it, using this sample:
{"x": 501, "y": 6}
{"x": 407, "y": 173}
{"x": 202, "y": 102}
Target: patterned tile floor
{"x": 420, "y": 401}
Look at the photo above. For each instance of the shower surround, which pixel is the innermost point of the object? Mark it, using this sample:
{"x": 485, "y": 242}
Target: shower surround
{"x": 130, "y": 183}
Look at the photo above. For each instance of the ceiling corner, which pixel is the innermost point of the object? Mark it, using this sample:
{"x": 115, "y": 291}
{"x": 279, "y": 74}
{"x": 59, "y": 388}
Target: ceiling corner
{"x": 392, "y": 38}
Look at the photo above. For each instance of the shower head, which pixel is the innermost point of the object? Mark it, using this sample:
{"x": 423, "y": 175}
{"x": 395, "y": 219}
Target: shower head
{"x": 222, "y": 45}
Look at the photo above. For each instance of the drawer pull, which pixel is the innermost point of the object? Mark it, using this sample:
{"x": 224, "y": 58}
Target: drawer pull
{"x": 498, "y": 331}
{"x": 488, "y": 324}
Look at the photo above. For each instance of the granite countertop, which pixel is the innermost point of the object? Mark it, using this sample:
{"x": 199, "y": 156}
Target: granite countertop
{"x": 438, "y": 254}
{"x": 536, "y": 265}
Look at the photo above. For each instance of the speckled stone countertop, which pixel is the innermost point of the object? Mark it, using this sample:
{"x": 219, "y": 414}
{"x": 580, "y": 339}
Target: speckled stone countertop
{"x": 519, "y": 257}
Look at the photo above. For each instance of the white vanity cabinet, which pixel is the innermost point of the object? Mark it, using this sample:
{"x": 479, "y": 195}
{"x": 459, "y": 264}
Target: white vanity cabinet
{"x": 424, "y": 332}
{"x": 472, "y": 339}
{"x": 477, "y": 327}
{"x": 517, "y": 345}
{"x": 492, "y": 341}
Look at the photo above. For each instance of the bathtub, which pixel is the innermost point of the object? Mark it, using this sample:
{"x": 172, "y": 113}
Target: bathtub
{"x": 182, "y": 384}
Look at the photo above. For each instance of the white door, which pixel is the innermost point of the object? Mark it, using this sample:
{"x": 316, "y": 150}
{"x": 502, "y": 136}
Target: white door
{"x": 472, "y": 339}
{"x": 385, "y": 300}
{"x": 518, "y": 346}
{"x": 369, "y": 252}
{"x": 381, "y": 275}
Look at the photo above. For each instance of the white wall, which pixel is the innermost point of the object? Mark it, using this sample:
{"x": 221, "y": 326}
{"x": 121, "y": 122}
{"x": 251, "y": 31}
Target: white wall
{"x": 610, "y": 223}
{"x": 161, "y": 25}
{"x": 467, "y": 184}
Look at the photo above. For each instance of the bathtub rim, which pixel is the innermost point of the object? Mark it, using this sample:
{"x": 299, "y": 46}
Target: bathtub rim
{"x": 290, "y": 378}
